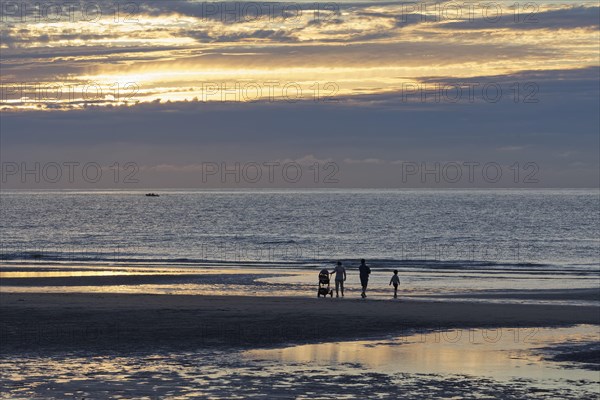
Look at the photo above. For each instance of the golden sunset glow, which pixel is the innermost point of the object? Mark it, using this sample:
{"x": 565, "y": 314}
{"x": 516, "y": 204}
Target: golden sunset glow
{"x": 166, "y": 54}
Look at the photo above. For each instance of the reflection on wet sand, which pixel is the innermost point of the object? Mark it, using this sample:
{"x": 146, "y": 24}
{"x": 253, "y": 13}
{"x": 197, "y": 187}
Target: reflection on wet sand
{"x": 293, "y": 282}
{"x": 59, "y": 274}
{"x": 501, "y": 353}
{"x": 434, "y": 365}
{"x": 149, "y": 280}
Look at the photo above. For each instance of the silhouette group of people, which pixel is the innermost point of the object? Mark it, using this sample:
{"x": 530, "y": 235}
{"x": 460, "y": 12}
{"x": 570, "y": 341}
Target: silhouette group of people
{"x": 364, "y": 272}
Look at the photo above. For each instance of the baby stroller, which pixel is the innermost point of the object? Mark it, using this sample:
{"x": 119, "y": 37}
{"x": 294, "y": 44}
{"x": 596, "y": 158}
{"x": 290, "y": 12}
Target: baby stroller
{"x": 324, "y": 288}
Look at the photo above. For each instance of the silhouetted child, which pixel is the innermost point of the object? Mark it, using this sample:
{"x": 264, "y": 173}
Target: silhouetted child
{"x": 396, "y": 281}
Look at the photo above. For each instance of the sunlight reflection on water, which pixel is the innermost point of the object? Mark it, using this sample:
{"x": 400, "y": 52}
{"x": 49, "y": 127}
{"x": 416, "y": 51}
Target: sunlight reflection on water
{"x": 501, "y": 353}
{"x": 433, "y": 365}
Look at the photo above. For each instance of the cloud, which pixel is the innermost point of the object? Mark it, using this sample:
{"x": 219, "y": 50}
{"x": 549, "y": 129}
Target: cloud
{"x": 367, "y": 49}
{"x": 206, "y": 36}
{"x": 510, "y": 148}
{"x": 364, "y": 161}
{"x": 307, "y": 160}
{"x": 381, "y": 48}
{"x": 567, "y": 154}
{"x": 184, "y": 134}
{"x": 562, "y": 19}
{"x": 172, "y": 168}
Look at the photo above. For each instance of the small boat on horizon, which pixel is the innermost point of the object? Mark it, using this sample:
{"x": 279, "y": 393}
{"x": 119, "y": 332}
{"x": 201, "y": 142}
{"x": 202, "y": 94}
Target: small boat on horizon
{"x": 152, "y": 195}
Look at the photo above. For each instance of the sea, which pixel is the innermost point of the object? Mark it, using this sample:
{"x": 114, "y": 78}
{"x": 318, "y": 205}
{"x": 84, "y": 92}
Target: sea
{"x": 522, "y": 238}
{"x": 274, "y": 242}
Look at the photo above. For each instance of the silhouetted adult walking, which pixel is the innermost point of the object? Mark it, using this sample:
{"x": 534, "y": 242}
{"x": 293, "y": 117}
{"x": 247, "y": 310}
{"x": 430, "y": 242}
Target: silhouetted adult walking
{"x": 364, "y": 277}
{"x": 340, "y": 277}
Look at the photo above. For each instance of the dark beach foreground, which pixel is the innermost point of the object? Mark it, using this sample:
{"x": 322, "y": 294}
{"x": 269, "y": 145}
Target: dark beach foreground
{"x": 90, "y": 321}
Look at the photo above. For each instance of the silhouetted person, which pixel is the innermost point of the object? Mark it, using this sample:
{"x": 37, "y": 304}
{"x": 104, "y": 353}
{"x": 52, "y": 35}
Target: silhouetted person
{"x": 396, "y": 281}
{"x": 364, "y": 277}
{"x": 340, "y": 277}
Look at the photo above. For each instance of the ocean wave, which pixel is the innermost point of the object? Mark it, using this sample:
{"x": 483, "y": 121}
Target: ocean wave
{"x": 449, "y": 266}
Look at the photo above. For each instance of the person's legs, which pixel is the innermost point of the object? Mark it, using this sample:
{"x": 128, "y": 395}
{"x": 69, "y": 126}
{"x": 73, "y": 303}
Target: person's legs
{"x": 342, "y": 287}
{"x": 395, "y": 290}
{"x": 337, "y": 288}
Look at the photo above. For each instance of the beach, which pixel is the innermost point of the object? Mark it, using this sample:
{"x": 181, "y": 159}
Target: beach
{"x": 150, "y": 346}
{"x": 72, "y": 320}
{"x": 138, "y": 330}
{"x": 167, "y": 306}
{"x": 345, "y": 200}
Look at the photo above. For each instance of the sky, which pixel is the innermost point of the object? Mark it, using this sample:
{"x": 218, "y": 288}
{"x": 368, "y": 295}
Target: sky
{"x": 190, "y": 94}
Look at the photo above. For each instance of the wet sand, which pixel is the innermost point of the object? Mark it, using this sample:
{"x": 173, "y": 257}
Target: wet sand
{"x": 93, "y": 321}
{"x": 540, "y": 294}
